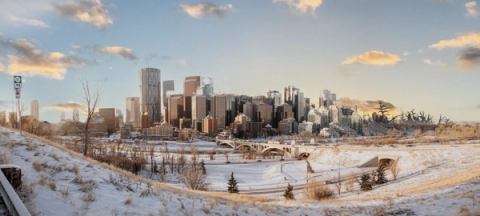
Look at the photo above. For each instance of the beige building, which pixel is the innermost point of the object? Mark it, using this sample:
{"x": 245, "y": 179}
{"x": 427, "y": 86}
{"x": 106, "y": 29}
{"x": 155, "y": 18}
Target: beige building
{"x": 108, "y": 115}
{"x": 209, "y": 126}
{"x": 175, "y": 109}
{"x": 34, "y": 109}
{"x": 133, "y": 114}
{"x": 190, "y": 87}
{"x": 264, "y": 113}
{"x": 161, "y": 131}
{"x": 199, "y": 111}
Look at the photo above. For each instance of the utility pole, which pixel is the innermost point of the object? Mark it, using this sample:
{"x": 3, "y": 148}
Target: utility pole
{"x": 17, "y": 85}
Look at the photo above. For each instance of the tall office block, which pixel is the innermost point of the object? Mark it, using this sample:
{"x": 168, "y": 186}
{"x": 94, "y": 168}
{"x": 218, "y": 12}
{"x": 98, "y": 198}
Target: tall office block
{"x": 34, "y": 109}
{"x": 168, "y": 86}
{"x": 199, "y": 111}
{"x": 133, "y": 114}
{"x": 192, "y": 83}
{"x": 151, "y": 98}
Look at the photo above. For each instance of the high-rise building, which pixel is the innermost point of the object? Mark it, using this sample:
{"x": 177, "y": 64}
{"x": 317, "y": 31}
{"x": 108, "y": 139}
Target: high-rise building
{"x": 133, "y": 114}
{"x": 175, "y": 109}
{"x": 168, "y": 86}
{"x": 199, "y": 111}
{"x": 230, "y": 111}
{"x": 275, "y": 97}
{"x": 151, "y": 97}
{"x": 284, "y": 111}
{"x": 206, "y": 87}
{"x": 219, "y": 110}
{"x": 289, "y": 94}
{"x": 192, "y": 83}
{"x": 34, "y": 109}
{"x": 76, "y": 115}
{"x": 3, "y": 118}
{"x": 108, "y": 115}
{"x": 264, "y": 113}
{"x": 248, "y": 110}
{"x": 209, "y": 126}
{"x": 299, "y": 106}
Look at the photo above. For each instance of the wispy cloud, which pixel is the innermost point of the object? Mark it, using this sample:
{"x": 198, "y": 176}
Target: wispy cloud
{"x": 471, "y": 7}
{"x": 434, "y": 63}
{"x": 29, "y": 60}
{"x": 118, "y": 50}
{"x": 201, "y": 9}
{"x": 373, "y": 58}
{"x": 29, "y": 22}
{"x": 177, "y": 61}
{"x": 469, "y": 39}
{"x": 469, "y": 57}
{"x": 303, "y": 6}
{"x": 88, "y": 11}
{"x": 67, "y": 107}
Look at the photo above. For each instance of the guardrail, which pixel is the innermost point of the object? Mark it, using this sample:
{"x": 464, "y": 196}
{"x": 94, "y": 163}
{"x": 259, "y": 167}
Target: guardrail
{"x": 13, "y": 203}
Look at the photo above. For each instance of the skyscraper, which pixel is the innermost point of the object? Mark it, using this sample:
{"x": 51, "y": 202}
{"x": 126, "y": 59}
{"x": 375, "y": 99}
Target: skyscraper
{"x": 108, "y": 115}
{"x": 133, "y": 115}
{"x": 219, "y": 110}
{"x": 75, "y": 115}
{"x": 175, "y": 109}
{"x": 34, "y": 109}
{"x": 199, "y": 111}
{"x": 168, "y": 86}
{"x": 150, "y": 90}
{"x": 192, "y": 83}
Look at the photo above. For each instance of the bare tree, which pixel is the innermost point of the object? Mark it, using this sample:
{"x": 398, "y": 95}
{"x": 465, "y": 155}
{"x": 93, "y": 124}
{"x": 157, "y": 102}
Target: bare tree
{"x": 91, "y": 100}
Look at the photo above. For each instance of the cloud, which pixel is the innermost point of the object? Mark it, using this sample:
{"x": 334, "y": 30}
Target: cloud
{"x": 67, "y": 107}
{"x": 471, "y": 7}
{"x": 201, "y": 9}
{"x": 469, "y": 39}
{"x": 29, "y": 22}
{"x": 29, "y": 60}
{"x": 88, "y": 11}
{"x": 368, "y": 106}
{"x": 303, "y": 6}
{"x": 177, "y": 61}
{"x": 118, "y": 50}
{"x": 434, "y": 63}
{"x": 373, "y": 58}
{"x": 469, "y": 57}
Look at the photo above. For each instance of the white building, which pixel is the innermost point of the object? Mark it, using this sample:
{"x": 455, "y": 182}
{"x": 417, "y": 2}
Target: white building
{"x": 34, "y": 109}
{"x": 133, "y": 114}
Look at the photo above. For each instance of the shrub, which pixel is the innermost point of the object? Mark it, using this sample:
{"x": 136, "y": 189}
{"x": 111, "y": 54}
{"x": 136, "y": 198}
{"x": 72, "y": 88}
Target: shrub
{"x": 380, "y": 176}
{"x": 317, "y": 191}
{"x": 365, "y": 182}
{"x": 289, "y": 193}
{"x": 194, "y": 179}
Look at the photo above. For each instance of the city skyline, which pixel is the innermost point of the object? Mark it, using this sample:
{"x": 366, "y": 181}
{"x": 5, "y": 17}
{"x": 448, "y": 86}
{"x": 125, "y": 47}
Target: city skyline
{"x": 291, "y": 45}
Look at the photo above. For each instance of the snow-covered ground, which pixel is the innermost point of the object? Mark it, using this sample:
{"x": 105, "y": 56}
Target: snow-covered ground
{"x": 434, "y": 179}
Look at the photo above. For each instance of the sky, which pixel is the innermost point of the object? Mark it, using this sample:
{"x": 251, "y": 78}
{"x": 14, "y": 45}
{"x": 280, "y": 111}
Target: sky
{"x": 416, "y": 54}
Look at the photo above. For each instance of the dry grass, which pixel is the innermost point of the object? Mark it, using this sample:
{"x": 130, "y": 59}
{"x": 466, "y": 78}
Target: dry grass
{"x": 4, "y": 159}
{"x": 128, "y": 201}
{"x": 317, "y": 191}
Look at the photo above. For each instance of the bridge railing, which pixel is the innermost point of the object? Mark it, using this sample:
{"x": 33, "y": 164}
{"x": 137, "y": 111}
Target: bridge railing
{"x": 13, "y": 203}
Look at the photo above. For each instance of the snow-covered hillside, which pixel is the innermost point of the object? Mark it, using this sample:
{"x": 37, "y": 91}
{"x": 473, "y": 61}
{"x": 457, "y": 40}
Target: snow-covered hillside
{"x": 58, "y": 182}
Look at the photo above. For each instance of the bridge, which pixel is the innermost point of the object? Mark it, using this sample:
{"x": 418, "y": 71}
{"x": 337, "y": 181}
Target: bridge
{"x": 266, "y": 148}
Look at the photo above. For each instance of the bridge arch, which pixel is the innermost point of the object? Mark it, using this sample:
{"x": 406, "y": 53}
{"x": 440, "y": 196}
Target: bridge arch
{"x": 226, "y": 144}
{"x": 274, "y": 151}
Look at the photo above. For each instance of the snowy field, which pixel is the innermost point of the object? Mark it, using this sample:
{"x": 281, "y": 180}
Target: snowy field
{"x": 434, "y": 179}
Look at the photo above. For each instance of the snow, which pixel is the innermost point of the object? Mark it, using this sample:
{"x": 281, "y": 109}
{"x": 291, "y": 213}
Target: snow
{"x": 435, "y": 179}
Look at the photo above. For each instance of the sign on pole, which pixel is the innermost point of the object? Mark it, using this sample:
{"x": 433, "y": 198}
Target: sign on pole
{"x": 17, "y": 85}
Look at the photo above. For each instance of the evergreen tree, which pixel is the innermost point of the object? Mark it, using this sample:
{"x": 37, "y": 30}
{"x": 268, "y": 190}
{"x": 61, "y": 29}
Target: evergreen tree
{"x": 289, "y": 193}
{"x": 380, "y": 173}
{"x": 365, "y": 182}
{"x": 202, "y": 166}
{"x": 232, "y": 185}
